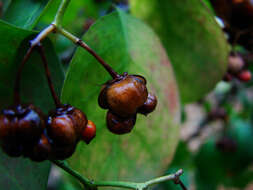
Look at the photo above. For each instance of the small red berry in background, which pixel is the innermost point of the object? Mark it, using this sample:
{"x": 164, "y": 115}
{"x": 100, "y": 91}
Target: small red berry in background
{"x": 244, "y": 76}
{"x": 89, "y": 132}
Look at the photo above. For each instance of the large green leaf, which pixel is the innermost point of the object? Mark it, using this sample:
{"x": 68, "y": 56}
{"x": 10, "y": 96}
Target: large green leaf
{"x": 20, "y": 173}
{"x": 24, "y": 14}
{"x": 128, "y": 45}
{"x": 194, "y": 42}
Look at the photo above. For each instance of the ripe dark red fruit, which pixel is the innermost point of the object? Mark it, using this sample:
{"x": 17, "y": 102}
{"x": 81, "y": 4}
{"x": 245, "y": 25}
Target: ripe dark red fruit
{"x": 119, "y": 125}
{"x": 124, "y": 95}
{"x": 89, "y": 132}
{"x": 20, "y": 126}
{"x": 244, "y": 76}
{"x": 65, "y": 125}
{"x": 149, "y": 106}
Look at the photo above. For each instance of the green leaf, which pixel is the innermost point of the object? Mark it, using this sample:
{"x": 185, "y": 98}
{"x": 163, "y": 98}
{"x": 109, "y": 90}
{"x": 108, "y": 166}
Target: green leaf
{"x": 21, "y": 173}
{"x": 24, "y": 14}
{"x": 128, "y": 45}
{"x": 194, "y": 42}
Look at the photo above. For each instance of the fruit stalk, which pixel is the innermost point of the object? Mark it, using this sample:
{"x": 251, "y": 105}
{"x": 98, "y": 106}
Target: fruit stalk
{"x": 17, "y": 99}
{"x": 48, "y": 74}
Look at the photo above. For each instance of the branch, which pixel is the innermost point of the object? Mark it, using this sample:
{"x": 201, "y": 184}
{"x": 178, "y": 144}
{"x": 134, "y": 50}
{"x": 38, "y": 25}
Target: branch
{"x": 79, "y": 42}
{"x": 48, "y": 74}
{"x": 18, "y": 77}
{"x": 60, "y": 12}
{"x": 128, "y": 185}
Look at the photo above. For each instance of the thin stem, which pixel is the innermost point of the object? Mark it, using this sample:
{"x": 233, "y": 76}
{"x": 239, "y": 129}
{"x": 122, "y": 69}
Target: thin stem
{"x": 48, "y": 74}
{"x": 43, "y": 34}
{"x": 87, "y": 48}
{"x": 17, "y": 99}
{"x": 182, "y": 185}
{"x": 60, "y": 12}
{"x": 174, "y": 177}
{"x": 86, "y": 182}
{"x": 128, "y": 185}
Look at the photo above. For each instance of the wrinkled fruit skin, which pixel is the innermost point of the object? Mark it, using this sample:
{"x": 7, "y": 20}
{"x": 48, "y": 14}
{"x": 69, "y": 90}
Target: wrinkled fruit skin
{"x": 89, "y": 132}
{"x": 149, "y": 106}
{"x": 125, "y": 95}
{"x": 119, "y": 125}
{"x": 65, "y": 125}
{"x": 20, "y": 126}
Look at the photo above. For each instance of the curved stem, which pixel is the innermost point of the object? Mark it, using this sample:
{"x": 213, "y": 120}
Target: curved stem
{"x": 86, "y": 182}
{"x": 60, "y": 12}
{"x": 48, "y": 74}
{"x": 79, "y": 42}
{"x": 128, "y": 185}
{"x": 18, "y": 77}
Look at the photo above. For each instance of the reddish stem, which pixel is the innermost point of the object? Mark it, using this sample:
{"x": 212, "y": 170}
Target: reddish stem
{"x": 48, "y": 74}
{"x": 113, "y": 73}
{"x": 17, "y": 99}
{"x": 182, "y": 185}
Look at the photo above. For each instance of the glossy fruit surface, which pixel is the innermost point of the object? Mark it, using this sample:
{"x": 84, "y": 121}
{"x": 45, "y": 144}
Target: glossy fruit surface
{"x": 65, "y": 125}
{"x": 125, "y": 96}
{"x": 149, "y": 106}
{"x": 20, "y": 126}
{"x": 118, "y": 125}
{"x": 89, "y": 132}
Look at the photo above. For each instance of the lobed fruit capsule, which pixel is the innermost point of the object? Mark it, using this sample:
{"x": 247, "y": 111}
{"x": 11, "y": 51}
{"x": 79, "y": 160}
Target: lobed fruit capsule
{"x": 149, "y": 106}
{"x": 65, "y": 125}
{"x": 119, "y": 125}
{"x": 124, "y": 95}
{"x": 20, "y": 126}
{"x": 89, "y": 132}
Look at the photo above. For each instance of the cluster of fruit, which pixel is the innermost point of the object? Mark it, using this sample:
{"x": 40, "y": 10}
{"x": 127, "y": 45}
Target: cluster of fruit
{"x": 24, "y": 130}
{"x": 124, "y": 97}
{"x": 237, "y": 68}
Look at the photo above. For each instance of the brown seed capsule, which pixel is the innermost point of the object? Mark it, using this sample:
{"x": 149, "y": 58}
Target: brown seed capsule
{"x": 149, "y": 106}
{"x": 42, "y": 150}
{"x": 65, "y": 125}
{"x": 61, "y": 130}
{"x": 125, "y": 96}
{"x": 119, "y": 125}
{"x": 89, "y": 132}
{"x": 102, "y": 99}
{"x": 22, "y": 124}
